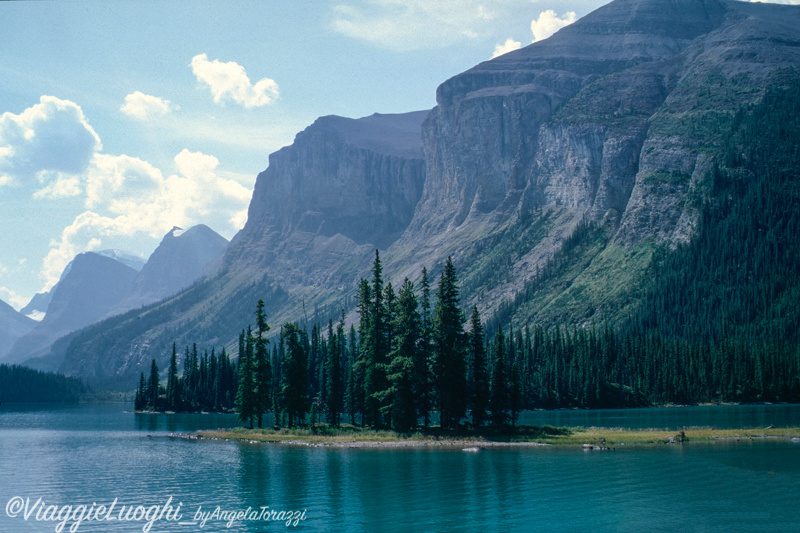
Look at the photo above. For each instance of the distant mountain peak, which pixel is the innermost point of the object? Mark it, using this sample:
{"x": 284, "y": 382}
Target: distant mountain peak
{"x": 127, "y": 259}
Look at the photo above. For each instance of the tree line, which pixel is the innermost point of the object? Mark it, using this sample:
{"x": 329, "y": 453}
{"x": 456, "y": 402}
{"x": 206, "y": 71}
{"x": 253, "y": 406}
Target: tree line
{"x": 22, "y": 384}
{"x": 208, "y": 383}
{"x": 407, "y": 359}
{"x": 410, "y": 358}
{"x": 719, "y": 322}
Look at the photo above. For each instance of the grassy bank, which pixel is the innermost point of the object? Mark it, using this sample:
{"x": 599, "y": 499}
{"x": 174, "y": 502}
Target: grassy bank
{"x": 349, "y": 436}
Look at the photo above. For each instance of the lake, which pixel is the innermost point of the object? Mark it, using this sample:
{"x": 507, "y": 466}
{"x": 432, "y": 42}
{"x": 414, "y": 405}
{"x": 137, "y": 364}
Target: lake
{"x": 99, "y": 455}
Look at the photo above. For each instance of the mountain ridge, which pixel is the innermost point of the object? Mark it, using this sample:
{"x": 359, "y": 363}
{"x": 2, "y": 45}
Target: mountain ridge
{"x": 98, "y": 285}
{"x": 13, "y": 325}
{"x": 616, "y": 121}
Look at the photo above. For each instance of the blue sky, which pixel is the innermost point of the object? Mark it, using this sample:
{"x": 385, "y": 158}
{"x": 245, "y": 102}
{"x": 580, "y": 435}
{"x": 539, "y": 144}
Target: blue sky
{"x": 119, "y": 120}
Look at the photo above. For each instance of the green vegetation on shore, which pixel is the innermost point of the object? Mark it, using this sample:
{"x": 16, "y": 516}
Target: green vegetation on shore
{"x": 22, "y": 384}
{"x": 557, "y": 436}
{"x": 716, "y": 322}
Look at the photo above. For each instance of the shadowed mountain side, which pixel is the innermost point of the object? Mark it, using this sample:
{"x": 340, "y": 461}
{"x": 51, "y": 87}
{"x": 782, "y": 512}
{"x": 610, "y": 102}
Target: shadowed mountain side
{"x": 551, "y": 175}
{"x": 13, "y": 325}
{"x": 178, "y": 261}
{"x": 93, "y": 285}
{"x": 344, "y": 188}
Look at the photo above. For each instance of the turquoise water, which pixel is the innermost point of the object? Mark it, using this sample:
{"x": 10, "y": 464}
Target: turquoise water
{"x": 84, "y": 455}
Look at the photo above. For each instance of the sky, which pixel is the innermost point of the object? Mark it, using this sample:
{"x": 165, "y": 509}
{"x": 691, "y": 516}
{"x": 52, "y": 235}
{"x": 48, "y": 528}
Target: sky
{"x": 122, "y": 119}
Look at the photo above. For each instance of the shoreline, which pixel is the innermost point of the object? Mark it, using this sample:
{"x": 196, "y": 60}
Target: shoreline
{"x": 587, "y": 439}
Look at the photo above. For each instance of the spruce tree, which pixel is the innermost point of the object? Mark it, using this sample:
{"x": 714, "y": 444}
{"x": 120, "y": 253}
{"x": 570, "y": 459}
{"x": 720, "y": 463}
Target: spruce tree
{"x": 407, "y": 332}
{"x": 499, "y": 403}
{"x": 152, "y": 387}
{"x": 262, "y": 370}
{"x": 449, "y": 350}
{"x": 353, "y": 388}
{"x": 141, "y": 394}
{"x": 173, "y": 383}
{"x": 334, "y": 397}
{"x": 516, "y": 394}
{"x": 187, "y": 376}
{"x": 423, "y": 380}
{"x": 479, "y": 384}
{"x": 376, "y": 350}
{"x": 277, "y": 357}
{"x": 245, "y": 399}
{"x": 295, "y": 391}
{"x": 362, "y": 358}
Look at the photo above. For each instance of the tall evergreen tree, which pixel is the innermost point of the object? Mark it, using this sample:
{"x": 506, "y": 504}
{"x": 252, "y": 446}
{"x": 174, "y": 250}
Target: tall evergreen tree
{"x": 515, "y": 403}
{"x": 449, "y": 350}
{"x": 277, "y": 372}
{"x": 245, "y": 399}
{"x": 152, "y": 386}
{"x": 499, "y": 403}
{"x": 173, "y": 383}
{"x": 353, "y": 387}
{"x": 479, "y": 382}
{"x": 334, "y": 397}
{"x": 376, "y": 350}
{"x": 141, "y": 394}
{"x": 295, "y": 377}
{"x": 262, "y": 370}
{"x": 406, "y": 327}
{"x": 363, "y": 357}
{"x": 423, "y": 380}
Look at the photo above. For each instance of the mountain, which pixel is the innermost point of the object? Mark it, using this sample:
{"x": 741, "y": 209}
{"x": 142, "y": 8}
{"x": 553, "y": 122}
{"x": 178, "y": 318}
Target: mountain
{"x": 177, "y": 262}
{"x": 37, "y": 307}
{"x": 13, "y": 325}
{"x": 133, "y": 261}
{"x": 556, "y": 176}
{"x": 91, "y": 286}
{"x": 615, "y": 119}
{"x": 344, "y": 187}
{"x": 98, "y": 285}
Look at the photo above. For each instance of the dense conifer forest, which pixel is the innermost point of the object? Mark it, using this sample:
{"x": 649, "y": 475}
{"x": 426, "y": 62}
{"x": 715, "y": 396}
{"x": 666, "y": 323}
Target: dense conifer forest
{"x": 22, "y": 384}
{"x": 208, "y": 383}
{"x": 719, "y": 322}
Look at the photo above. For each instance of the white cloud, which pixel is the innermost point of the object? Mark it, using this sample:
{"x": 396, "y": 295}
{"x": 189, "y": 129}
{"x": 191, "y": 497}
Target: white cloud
{"x": 46, "y": 140}
{"x": 144, "y": 106}
{"x": 120, "y": 179}
{"x": 78, "y": 237}
{"x": 61, "y": 186}
{"x": 229, "y": 81}
{"x": 509, "y": 46}
{"x": 12, "y": 298}
{"x": 783, "y": 2}
{"x": 127, "y": 198}
{"x": 415, "y": 24}
{"x": 548, "y": 23}
{"x": 36, "y": 315}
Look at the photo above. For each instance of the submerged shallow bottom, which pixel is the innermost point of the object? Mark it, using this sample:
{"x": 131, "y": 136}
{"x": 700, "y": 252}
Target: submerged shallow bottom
{"x": 742, "y": 486}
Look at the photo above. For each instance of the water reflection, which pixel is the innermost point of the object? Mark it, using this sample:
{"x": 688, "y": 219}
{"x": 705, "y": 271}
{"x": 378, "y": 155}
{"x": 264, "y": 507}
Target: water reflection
{"x": 98, "y": 453}
{"x": 147, "y": 421}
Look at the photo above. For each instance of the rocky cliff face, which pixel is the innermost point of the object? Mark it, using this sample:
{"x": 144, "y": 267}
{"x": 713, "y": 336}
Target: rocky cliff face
{"x": 493, "y": 138}
{"x": 615, "y": 120}
{"x": 342, "y": 189}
